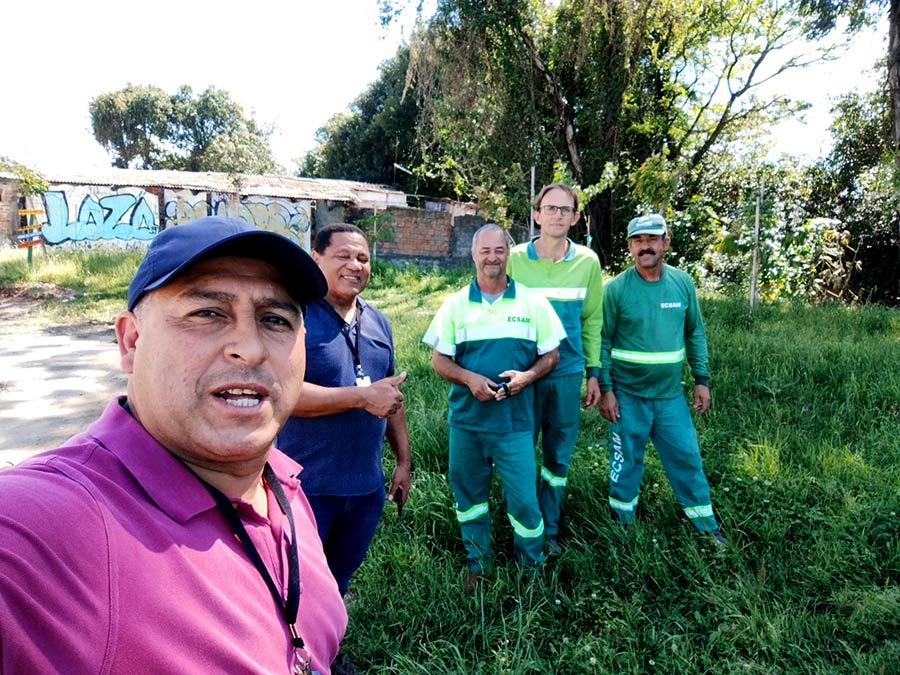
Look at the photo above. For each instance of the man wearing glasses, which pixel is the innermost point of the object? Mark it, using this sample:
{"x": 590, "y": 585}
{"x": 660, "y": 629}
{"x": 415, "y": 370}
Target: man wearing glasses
{"x": 569, "y": 276}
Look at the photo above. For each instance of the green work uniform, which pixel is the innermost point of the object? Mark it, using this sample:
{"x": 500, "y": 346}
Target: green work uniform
{"x": 489, "y": 338}
{"x": 649, "y": 327}
{"x": 574, "y": 287}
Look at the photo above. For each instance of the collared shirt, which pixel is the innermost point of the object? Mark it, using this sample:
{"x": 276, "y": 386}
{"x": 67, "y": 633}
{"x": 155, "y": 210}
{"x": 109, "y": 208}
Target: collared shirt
{"x": 115, "y": 559}
{"x": 649, "y": 328}
{"x": 341, "y": 453}
{"x": 574, "y": 287}
{"x": 489, "y": 338}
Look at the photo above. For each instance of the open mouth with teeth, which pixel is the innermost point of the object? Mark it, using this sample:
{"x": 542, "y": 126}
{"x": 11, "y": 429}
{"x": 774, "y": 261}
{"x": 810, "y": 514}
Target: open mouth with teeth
{"x": 240, "y": 398}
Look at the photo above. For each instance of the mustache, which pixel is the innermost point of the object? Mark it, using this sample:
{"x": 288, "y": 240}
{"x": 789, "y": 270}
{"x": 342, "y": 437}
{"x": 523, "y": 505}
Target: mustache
{"x": 253, "y": 374}
{"x": 648, "y": 251}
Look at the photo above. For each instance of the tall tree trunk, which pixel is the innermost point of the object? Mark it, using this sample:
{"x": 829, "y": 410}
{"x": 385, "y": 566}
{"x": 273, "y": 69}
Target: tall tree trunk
{"x": 600, "y": 214}
{"x": 893, "y": 64}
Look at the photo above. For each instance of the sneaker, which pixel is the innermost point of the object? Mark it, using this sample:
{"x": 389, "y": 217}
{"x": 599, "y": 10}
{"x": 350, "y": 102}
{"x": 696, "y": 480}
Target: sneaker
{"x": 554, "y": 550}
{"x": 719, "y": 538}
{"x": 472, "y": 582}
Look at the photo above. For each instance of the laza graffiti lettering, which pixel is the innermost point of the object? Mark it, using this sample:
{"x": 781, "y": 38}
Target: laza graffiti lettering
{"x": 116, "y": 216}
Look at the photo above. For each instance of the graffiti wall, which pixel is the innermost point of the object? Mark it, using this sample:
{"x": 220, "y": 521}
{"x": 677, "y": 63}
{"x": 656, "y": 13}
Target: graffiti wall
{"x": 285, "y": 216}
{"x": 181, "y": 206}
{"x": 290, "y": 217}
{"x": 90, "y": 212}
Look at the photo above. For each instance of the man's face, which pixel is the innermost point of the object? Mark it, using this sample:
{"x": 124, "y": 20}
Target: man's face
{"x": 647, "y": 249}
{"x": 490, "y": 253}
{"x": 556, "y": 225}
{"x": 346, "y": 266}
{"x": 216, "y": 359}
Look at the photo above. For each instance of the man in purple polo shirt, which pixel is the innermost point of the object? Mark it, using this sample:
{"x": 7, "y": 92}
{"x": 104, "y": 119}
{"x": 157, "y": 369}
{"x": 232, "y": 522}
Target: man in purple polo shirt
{"x": 170, "y": 537}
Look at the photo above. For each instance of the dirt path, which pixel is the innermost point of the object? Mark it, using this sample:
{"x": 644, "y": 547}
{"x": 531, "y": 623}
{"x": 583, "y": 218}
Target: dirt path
{"x": 53, "y": 381}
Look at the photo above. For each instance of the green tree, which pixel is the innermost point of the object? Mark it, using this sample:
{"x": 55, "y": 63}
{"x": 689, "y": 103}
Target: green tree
{"x": 377, "y": 132}
{"x": 132, "y": 123}
{"x": 857, "y": 185}
{"x": 30, "y": 181}
{"x": 636, "y": 100}
{"x": 143, "y": 127}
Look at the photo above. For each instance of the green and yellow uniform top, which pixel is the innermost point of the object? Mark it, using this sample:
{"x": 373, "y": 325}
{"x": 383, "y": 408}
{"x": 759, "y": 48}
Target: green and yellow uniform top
{"x": 649, "y": 328}
{"x": 489, "y": 338}
{"x": 574, "y": 287}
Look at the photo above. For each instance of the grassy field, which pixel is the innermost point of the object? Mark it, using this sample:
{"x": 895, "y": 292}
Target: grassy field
{"x": 801, "y": 449}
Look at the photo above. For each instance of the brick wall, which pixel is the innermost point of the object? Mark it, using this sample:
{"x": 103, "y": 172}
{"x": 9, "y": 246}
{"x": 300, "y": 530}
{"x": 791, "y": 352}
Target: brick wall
{"x": 9, "y": 209}
{"x": 416, "y": 233}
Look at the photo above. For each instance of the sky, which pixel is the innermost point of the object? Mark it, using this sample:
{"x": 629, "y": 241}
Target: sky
{"x": 289, "y": 64}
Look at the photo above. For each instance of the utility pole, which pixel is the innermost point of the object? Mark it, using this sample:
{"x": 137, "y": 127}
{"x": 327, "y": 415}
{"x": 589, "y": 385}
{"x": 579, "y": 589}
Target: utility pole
{"x": 754, "y": 272}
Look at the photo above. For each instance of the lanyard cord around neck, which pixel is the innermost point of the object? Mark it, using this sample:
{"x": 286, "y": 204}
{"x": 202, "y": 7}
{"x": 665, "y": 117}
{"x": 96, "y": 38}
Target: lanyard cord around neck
{"x": 345, "y": 331}
{"x": 290, "y": 607}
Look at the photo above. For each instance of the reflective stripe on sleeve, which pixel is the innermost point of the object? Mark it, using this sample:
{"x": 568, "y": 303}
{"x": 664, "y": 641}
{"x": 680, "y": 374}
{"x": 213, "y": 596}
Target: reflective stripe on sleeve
{"x": 443, "y": 347}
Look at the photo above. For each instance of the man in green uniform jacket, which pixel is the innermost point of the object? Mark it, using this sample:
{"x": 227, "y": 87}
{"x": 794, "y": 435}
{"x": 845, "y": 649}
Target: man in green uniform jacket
{"x": 651, "y": 322}
{"x": 492, "y": 340}
{"x": 569, "y": 276}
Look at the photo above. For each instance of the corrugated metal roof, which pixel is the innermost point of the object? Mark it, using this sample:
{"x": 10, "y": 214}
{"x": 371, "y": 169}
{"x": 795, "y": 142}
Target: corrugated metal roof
{"x": 264, "y": 185}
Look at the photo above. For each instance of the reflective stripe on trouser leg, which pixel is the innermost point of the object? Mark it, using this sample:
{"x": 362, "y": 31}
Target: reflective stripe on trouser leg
{"x": 513, "y": 456}
{"x": 558, "y": 414}
{"x": 675, "y": 440}
{"x": 470, "y": 479}
{"x": 627, "y": 443}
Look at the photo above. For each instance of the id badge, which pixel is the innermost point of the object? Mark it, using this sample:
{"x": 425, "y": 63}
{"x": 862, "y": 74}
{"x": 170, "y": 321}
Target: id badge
{"x": 363, "y": 381}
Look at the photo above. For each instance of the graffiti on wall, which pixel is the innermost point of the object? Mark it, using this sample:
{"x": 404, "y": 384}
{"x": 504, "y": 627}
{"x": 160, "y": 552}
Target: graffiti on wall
{"x": 182, "y": 206}
{"x": 290, "y": 217}
{"x": 285, "y": 216}
{"x": 88, "y": 212}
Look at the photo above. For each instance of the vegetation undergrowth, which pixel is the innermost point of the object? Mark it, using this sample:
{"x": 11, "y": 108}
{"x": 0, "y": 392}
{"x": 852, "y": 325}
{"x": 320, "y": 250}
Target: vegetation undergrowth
{"x": 801, "y": 451}
{"x": 74, "y": 286}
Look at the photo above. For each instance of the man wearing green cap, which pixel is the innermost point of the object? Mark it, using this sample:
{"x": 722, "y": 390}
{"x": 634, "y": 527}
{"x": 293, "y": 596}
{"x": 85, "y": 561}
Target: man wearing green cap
{"x": 651, "y": 322}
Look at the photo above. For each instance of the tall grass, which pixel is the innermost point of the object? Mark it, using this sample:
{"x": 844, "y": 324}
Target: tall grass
{"x": 801, "y": 451}
{"x": 91, "y": 282}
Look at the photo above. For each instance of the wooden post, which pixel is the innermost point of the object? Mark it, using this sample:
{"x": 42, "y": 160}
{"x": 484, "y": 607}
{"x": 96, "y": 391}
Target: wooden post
{"x": 29, "y": 235}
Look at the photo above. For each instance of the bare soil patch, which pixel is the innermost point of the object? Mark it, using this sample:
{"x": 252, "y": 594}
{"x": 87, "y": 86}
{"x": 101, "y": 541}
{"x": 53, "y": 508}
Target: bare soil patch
{"x": 53, "y": 381}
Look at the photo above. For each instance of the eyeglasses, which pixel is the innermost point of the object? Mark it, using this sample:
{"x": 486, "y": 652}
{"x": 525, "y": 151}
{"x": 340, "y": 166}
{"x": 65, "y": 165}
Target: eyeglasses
{"x": 552, "y": 209}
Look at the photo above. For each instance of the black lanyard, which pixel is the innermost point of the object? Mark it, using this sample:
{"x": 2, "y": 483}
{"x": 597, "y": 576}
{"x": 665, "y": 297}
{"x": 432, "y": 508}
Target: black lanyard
{"x": 289, "y": 607}
{"x": 345, "y": 331}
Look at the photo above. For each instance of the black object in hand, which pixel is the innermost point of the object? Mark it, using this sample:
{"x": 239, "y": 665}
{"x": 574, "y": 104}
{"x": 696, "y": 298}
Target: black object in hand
{"x": 398, "y": 499}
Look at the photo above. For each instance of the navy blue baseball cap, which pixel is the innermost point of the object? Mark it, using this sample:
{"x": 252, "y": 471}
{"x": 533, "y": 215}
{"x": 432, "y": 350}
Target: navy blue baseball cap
{"x": 176, "y": 248}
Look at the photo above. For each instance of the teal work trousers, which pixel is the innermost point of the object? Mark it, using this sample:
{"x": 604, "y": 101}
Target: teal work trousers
{"x": 667, "y": 422}
{"x": 557, "y": 414}
{"x": 473, "y": 454}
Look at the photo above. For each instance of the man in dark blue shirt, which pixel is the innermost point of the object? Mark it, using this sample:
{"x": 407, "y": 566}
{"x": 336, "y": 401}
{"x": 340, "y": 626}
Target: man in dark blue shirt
{"x": 351, "y": 402}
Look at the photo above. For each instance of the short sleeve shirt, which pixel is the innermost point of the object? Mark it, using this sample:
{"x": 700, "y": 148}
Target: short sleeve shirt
{"x": 115, "y": 559}
{"x": 489, "y": 338}
{"x": 341, "y": 453}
